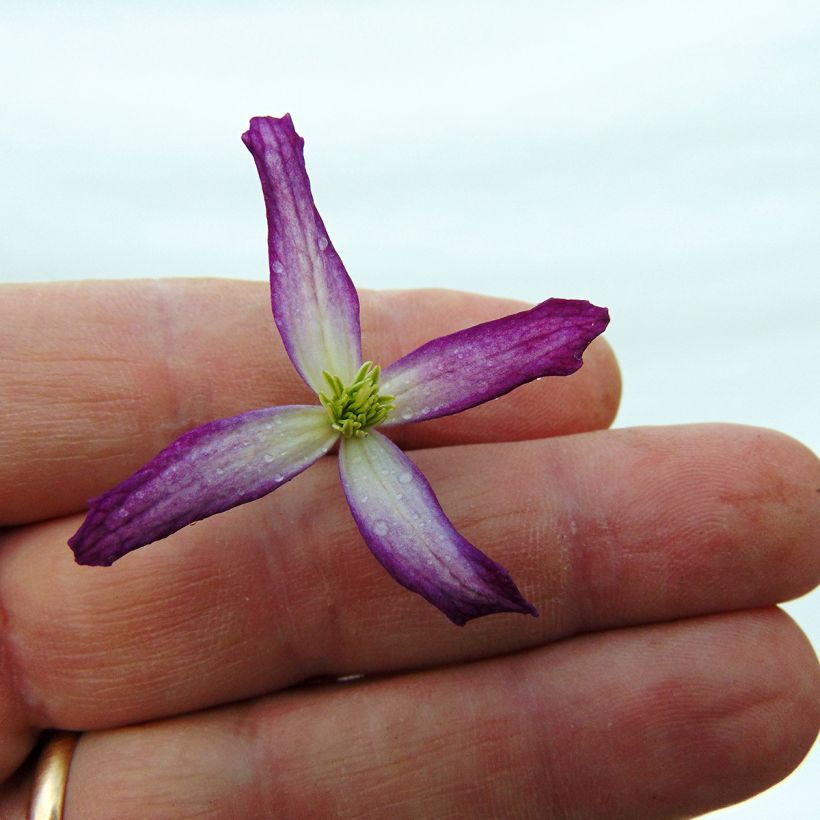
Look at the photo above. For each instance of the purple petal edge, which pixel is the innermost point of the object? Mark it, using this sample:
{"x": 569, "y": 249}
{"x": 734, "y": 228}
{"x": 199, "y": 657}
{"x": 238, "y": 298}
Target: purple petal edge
{"x": 483, "y": 362}
{"x": 403, "y": 523}
{"x": 315, "y": 304}
{"x": 208, "y": 470}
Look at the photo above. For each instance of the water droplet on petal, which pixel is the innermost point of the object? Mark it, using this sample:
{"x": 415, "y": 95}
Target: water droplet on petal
{"x": 405, "y": 478}
{"x": 364, "y": 498}
{"x": 140, "y": 494}
{"x": 380, "y": 527}
{"x": 278, "y": 477}
{"x": 122, "y": 512}
{"x": 322, "y": 243}
{"x": 268, "y": 457}
{"x": 407, "y": 415}
{"x": 278, "y": 266}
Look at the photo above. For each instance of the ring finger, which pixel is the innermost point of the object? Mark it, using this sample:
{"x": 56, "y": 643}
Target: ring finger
{"x": 667, "y": 720}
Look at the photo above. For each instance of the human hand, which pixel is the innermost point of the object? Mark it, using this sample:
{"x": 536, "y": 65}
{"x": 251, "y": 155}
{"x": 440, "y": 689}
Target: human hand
{"x": 658, "y": 681}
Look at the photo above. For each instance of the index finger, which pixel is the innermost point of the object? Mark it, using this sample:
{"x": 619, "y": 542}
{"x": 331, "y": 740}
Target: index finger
{"x": 97, "y": 377}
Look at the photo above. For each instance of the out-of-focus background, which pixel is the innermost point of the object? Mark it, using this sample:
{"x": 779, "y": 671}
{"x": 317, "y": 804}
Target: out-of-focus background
{"x": 660, "y": 158}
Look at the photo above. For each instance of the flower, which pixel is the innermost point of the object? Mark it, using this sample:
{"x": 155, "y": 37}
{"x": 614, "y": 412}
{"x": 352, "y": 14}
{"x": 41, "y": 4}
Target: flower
{"x": 316, "y": 308}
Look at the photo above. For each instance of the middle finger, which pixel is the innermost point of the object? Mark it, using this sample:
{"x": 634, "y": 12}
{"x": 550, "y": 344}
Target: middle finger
{"x": 600, "y": 529}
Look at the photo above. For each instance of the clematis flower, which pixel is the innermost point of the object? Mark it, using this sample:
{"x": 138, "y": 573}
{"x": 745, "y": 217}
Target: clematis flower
{"x": 316, "y": 309}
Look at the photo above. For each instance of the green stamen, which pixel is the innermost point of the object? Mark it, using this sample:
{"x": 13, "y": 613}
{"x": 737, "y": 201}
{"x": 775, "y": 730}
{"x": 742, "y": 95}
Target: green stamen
{"x": 355, "y": 408}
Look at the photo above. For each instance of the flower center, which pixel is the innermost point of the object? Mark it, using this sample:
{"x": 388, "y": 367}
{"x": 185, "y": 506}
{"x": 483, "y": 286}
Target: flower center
{"x": 355, "y": 408}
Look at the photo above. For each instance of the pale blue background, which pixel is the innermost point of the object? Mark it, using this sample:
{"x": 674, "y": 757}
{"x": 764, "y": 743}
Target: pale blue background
{"x": 660, "y": 158}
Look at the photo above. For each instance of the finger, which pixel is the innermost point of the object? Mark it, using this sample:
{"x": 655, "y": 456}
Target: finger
{"x": 15, "y": 792}
{"x": 600, "y": 530}
{"x": 124, "y": 368}
{"x": 665, "y": 721}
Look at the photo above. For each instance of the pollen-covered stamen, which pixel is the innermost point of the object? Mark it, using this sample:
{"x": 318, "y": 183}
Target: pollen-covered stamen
{"x": 358, "y": 406}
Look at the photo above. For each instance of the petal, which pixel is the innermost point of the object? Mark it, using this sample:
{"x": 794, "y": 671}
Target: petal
{"x": 454, "y": 372}
{"x": 210, "y": 469}
{"x": 315, "y": 305}
{"x": 403, "y": 523}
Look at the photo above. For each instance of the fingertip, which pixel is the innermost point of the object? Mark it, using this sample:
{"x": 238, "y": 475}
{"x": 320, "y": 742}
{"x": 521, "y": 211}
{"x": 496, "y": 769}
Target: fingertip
{"x": 782, "y": 477}
{"x": 776, "y": 716}
{"x": 400, "y": 321}
{"x": 599, "y": 385}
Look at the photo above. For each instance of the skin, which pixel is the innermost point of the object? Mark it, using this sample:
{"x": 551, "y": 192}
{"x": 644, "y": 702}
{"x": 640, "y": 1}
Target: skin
{"x": 660, "y": 680}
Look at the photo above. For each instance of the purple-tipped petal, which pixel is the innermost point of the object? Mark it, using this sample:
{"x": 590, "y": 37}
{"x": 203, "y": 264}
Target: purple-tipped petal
{"x": 403, "y": 523}
{"x": 454, "y": 372}
{"x": 315, "y": 304}
{"x": 210, "y": 469}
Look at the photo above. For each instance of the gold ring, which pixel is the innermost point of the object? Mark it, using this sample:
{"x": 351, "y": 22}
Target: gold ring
{"x": 51, "y": 776}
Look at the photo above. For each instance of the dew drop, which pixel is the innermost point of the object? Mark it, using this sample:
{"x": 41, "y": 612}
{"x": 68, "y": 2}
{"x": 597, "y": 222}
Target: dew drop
{"x": 425, "y": 411}
{"x": 322, "y": 243}
{"x": 140, "y": 494}
{"x": 278, "y": 266}
{"x": 405, "y": 478}
{"x": 278, "y": 477}
{"x": 364, "y": 498}
{"x": 277, "y": 420}
{"x": 268, "y": 457}
{"x": 407, "y": 415}
{"x": 122, "y": 512}
{"x": 380, "y": 527}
